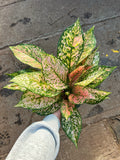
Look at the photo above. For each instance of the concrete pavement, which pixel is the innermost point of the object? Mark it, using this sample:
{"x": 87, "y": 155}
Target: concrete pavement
{"x": 41, "y": 22}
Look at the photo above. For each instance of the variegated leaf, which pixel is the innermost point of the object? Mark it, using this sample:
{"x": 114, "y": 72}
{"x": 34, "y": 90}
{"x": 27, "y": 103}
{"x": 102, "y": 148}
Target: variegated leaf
{"x": 33, "y": 101}
{"x": 72, "y": 126}
{"x": 66, "y": 108}
{"x": 34, "y": 82}
{"x": 14, "y": 86}
{"x": 48, "y": 110}
{"x": 70, "y": 46}
{"x": 101, "y": 78}
{"x": 75, "y": 75}
{"x": 92, "y": 75}
{"x": 92, "y": 59}
{"x": 99, "y": 96}
{"x": 79, "y": 95}
{"x": 82, "y": 95}
{"x": 54, "y": 71}
{"x": 12, "y": 75}
{"x": 89, "y": 43}
{"x": 28, "y": 54}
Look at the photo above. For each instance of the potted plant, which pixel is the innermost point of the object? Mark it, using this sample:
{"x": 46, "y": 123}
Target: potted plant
{"x": 62, "y": 82}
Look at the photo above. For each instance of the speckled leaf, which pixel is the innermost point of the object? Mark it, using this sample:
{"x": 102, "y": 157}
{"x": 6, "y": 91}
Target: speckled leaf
{"x": 99, "y": 96}
{"x": 33, "y": 101}
{"x": 92, "y": 59}
{"x": 28, "y": 54}
{"x": 87, "y": 95}
{"x": 48, "y": 110}
{"x": 66, "y": 108}
{"x": 34, "y": 82}
{"x": 70, "y": 46}
{"x": 92, "y": 75}
{"x": 101, "y": 78}
{"x": 14, "y": 86}
{"x": 75, "y": 75}
{"x": 79, "y": 95}
{"x": 54, "y": 71}
{"x": 72, "y": 126}
{"x": 89, "y": 43}
{"x": 12, "y": 75}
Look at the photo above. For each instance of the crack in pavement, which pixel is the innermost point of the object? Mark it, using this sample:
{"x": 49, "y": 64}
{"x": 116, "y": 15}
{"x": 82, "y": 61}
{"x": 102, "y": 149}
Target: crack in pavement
{"x": 11, "y": 3}
{"x": 44, "y": 36}
{"x": 102, "y": 20}
{"x": 52, "y": 34}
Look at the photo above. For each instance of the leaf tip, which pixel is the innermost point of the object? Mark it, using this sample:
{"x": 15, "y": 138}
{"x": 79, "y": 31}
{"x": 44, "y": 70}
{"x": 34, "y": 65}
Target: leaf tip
{"x": 114, "y": 67}
{"x": 17, "y": 105}
{"x": 77, "y": 21}
{"x": 5, "y": 86}
{"x": 93, "y": 27}
{"x": 11, "y": 48}
{"x": 76, "y": 144}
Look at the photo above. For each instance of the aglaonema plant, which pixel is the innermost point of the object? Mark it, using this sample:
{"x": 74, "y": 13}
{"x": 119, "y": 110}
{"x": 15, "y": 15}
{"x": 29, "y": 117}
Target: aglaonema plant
{"x": 62, "y": 82}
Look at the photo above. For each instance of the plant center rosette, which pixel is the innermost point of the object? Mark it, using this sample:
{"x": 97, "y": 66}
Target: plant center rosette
{"x": 62, "y": 82}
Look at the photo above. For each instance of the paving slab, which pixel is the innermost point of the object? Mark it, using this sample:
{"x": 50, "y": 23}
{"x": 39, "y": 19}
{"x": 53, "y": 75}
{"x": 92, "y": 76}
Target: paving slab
{"x": 97, "y": 142}
{"x": 26, "y": 20}
{"x": 41, "y": 23}
{"x": 8, "y": 2}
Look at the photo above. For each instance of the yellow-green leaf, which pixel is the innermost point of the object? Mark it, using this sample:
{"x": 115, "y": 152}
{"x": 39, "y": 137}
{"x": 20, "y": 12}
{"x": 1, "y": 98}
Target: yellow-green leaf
{"x": 54, "y": 71}
{"x": 102, "y": 77}
{"x": 96, "y": 72}
{"x": 12, "y": 75}
{"x": 14, "y": 86}
{"x": 33, "y": 101}
{"x": 48, "y": 110}
{"x": 70, "y": 46}
{"x": 72, "y": 126}
{"x": 89, "y": 43}
{"x": 34, "y": 82}
{"x": 66, "y": 108}
{"x": 28, "y": 54}
{"x": 92, "y": 59}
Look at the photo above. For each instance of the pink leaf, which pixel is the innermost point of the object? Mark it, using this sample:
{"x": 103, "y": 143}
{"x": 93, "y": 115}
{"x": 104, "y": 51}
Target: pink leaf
{"x": 67, "y": 108}
{"x": 91, "y": 96}
{"x": 76, "y": 74}
{"x": 79, "y": 95}
{"x": 55, "y": 72}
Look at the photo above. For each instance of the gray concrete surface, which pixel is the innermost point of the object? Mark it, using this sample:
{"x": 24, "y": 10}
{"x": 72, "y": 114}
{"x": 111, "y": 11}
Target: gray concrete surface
{"x": 41, "y": 22}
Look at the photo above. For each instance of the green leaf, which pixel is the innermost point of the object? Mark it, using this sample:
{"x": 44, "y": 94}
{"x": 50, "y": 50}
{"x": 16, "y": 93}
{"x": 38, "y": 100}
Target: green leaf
{"x": 101, "y": 78}
{"x": 88, "y": 95}
{"x": 28, "y": 54}
{"x": 66, "y": 108}
{"x": 89, "y": 43}
{"x": 72, "y": 126}
{"x": 14, "y": 86}
{"x": 34, "y": 82}
{"x": 33, "y": 101}
{"x": 70, "y": 46}
{"x": 48, "y": 110}
{"x": 54, "y": 71}
{"x": 92, "y": 75}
